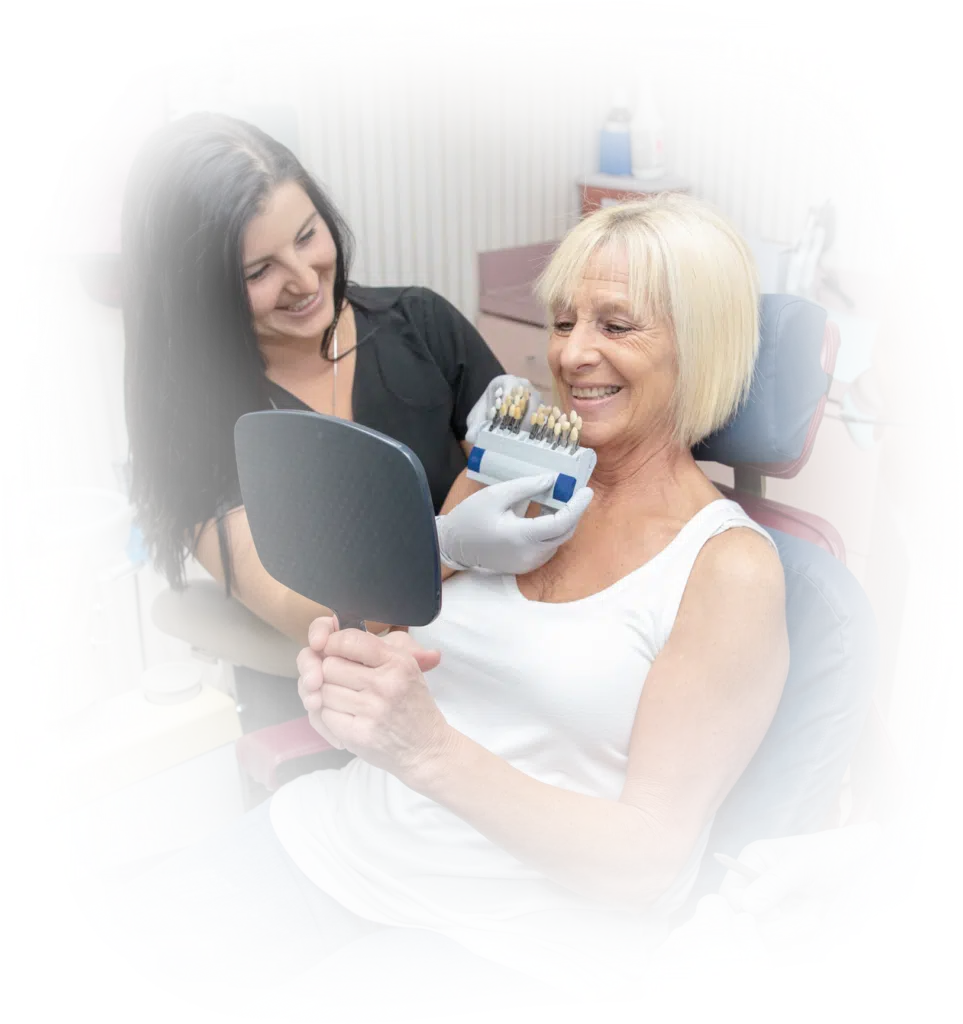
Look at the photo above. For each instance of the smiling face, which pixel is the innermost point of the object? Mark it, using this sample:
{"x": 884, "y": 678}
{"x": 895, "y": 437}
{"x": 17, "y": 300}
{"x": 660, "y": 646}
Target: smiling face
{"x": 615, "y": 368}
{"x": 657, "y": 298}
{"x": 289, "y": 262}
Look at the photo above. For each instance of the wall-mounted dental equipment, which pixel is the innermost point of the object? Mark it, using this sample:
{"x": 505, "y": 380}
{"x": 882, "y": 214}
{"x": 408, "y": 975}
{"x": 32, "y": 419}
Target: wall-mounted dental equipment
{"x": 806, "y": 256}
{"x": 506, "y": 450}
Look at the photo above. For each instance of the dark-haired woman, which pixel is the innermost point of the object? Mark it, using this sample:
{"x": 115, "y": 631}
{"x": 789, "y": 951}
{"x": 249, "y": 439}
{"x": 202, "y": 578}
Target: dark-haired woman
{"x": 236, "y": 299}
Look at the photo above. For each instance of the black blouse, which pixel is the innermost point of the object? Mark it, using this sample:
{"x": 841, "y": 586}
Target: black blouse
{"x": 420, "y": 367}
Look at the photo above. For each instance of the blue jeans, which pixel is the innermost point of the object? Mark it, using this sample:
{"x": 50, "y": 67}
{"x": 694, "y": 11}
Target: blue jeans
{"x": 235, "y": 919}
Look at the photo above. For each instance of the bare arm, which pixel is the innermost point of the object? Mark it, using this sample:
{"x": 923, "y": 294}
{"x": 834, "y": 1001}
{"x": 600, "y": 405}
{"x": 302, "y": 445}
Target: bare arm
{"x": 276, "y": 604}
{"x": 707, "y": 702}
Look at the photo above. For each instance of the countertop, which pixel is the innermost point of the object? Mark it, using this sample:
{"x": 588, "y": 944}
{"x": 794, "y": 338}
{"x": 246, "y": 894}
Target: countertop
{"x": 628, "y": 183}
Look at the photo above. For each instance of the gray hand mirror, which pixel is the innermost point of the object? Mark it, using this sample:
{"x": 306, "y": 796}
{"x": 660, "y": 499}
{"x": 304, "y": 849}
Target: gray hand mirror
{"x": 340, "y": 514}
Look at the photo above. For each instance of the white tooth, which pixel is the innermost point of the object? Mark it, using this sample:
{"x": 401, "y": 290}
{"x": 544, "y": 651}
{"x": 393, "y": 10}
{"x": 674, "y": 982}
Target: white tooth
{"x": 298, "y": 306}
{"x": 596, "y": 392}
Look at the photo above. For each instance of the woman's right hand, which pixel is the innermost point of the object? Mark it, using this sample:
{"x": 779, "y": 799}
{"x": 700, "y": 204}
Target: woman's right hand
{"x": 311, "y": 675}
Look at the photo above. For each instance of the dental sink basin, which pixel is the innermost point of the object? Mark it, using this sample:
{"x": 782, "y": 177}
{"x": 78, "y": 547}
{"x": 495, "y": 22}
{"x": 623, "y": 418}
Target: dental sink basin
{"x": 91, "y": 518}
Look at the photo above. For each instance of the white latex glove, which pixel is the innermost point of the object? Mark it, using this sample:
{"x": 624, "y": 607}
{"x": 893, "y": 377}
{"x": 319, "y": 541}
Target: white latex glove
{"x": 813, "y": 865}
{"x": 715, "y": 947}
{"x": 483, "y": 532}
{"x": 479, "y": 413}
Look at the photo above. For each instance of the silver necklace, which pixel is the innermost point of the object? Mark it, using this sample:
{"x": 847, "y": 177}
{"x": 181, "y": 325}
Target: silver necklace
{"x": 334, "y": 377}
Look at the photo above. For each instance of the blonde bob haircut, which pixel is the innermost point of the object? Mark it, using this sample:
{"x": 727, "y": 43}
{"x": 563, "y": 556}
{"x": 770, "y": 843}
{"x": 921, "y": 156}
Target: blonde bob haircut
{"x": 690, "y": 270}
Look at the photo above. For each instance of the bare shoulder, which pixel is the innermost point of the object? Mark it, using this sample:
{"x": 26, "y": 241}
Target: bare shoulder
{"x": 736, "y": 585}
{"x": 733, "y": 609}
{"x": 739, "y": 558}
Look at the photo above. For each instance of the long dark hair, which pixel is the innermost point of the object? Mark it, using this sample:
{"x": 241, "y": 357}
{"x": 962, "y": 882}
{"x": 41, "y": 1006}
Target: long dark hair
{"x": 192, "y": 363}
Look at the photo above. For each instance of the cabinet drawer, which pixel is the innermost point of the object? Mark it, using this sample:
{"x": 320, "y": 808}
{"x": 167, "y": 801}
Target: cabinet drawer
{"x": 521, "y": 348}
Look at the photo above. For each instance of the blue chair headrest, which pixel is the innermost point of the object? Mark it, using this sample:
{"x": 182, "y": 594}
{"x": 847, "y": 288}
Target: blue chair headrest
{"x": 787, "y": 386}
{"x": 791, "y": 783}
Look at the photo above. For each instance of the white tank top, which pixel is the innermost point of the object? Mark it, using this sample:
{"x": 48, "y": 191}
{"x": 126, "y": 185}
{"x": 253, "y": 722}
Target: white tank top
{"x": 550, "y": 688}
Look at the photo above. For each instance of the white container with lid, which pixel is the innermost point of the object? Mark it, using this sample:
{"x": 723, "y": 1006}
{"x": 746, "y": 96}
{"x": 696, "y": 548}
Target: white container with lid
{"x": 648, "y": 143}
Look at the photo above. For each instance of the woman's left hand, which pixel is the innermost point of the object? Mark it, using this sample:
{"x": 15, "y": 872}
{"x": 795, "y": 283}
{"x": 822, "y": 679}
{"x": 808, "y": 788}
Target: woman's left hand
{"x": 368, "y": 694}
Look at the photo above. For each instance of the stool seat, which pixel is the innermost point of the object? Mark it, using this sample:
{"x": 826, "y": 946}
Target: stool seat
{"x": 203, "y": 616}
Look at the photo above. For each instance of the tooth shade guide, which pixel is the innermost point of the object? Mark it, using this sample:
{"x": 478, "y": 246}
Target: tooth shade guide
{"x": 532, "y": 438}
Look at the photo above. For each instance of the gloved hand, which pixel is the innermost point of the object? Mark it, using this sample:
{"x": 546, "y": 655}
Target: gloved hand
{"x": 714, "y": 947}
{"x": 810, "y": 864}
{"x": 479, "y": 413}
{"x": 483, "y": 532}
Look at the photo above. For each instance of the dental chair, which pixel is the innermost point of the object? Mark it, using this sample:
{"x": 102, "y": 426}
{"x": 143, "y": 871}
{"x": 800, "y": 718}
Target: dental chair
{"x": 794, "y": 781}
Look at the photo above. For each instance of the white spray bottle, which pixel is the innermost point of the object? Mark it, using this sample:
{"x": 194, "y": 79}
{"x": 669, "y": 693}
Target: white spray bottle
{"x": 649, "y": 156}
